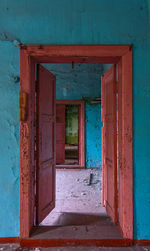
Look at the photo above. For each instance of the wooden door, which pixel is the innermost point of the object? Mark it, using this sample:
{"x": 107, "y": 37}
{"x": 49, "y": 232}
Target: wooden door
{"x": 45, "y": 175}
{"x": 109, "y": 137}
{"x": 60, "y": 134}
{"x": 104, "y": 170}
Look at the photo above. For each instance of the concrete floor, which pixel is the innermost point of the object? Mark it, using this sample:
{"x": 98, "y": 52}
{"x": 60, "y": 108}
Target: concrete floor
{"x": 78, "y": 213}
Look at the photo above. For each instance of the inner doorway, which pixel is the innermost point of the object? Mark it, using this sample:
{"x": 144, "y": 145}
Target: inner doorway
{"x": 72, "y": 135}
{"x": 108, "y": 54}
{"x": 71, "y": 147}
{"x": 70, "y": 143}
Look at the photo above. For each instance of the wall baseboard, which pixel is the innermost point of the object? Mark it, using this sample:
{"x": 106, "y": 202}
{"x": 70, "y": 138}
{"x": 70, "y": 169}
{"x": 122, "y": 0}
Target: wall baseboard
{"x": 75, "y": 242}
{"x": 9, "y": 240}
{"x": 142, "y": 242}
{"x": 28, "y": 242}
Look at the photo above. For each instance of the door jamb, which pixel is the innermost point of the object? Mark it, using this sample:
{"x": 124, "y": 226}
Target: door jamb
{"x": 31, "y": 54}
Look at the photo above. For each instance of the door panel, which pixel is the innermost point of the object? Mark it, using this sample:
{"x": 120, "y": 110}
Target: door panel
{"x": 104, "y": 170}
{"x": 45, "y": 189}
{"x": 109, "y": 136}
{"x": 60, "y": 134}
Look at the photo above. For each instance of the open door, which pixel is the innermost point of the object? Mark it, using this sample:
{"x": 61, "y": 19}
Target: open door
{"x": 109, "y": 138}
{"x": 60, "y": 134}
{"x": 104, "y": 170}
{"x": 45, "y": 133}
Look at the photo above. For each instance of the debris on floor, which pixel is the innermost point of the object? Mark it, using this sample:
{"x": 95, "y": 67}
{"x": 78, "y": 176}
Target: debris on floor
{"x": 76, "y": 192}
{"x": 90, "y": 179}
{"x": 78, "y": 213}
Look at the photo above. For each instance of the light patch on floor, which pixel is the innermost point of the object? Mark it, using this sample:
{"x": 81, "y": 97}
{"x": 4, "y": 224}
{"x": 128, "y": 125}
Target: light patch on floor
{"x": 76, "y": 196}
{"x": 79, "y": 213}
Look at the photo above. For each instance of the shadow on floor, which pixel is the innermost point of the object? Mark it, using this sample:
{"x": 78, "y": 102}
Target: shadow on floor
{"x": 74, "y": 219}
{"x": 79, "y": 225}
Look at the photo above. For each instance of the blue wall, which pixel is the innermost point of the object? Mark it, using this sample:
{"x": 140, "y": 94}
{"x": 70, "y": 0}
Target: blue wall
{"x": 83, "y": 81}
{"x": 93, "y": 135}
{"x": 9, "y": 140}
{"x": 73, "y": 22}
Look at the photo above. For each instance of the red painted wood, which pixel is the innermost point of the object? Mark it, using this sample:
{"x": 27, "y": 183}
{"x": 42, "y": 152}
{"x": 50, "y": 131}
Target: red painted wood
{"x": 46, "y": 82}
{"x": 126, "y": 172}
{"x": 110, "y": 142}
{"x": 70, "y": 167}
{"x": 4, "y": 240}
{"x": 27, "y": 135}
{"x": 60, "y": 133}
{"x": 120, "y": 186}
{"x": 82, "y": 135}
{"x": 36, "y": 53}
{"x": 85, "y": 60}
{"x": 77, "y": 50}
{"x": 104, "y": 170}
{"x": 73, "y": 242}
{"x": 76, "y": 242}
{"x": 142, "y": 242}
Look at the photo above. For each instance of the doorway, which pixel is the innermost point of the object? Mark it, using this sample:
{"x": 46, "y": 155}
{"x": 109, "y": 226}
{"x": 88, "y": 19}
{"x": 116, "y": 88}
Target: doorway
{"x": 70, "y": 142}
{"x": 71, "y": 135}
{"x": 78, "y": 206}
{"x": 122, "y": 55}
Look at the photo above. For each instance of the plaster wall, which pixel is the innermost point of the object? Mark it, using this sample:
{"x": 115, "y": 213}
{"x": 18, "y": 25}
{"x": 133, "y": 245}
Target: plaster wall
{"x": 80, "y": 82}
{"x": 93, "y": 136}
{"x": 73, "y": 22}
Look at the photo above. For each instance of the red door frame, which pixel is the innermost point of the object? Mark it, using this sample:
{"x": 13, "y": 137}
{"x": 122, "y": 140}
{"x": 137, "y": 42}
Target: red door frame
{"x": 121, "y": 54}
{"x": 81, "y": 133}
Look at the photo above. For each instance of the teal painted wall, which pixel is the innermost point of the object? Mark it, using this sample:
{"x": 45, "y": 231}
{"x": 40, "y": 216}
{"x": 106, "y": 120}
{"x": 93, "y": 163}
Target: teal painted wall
{"x": 83, "y": 82}
{"x": 93, "y": 135}
{"x": 73, "y": 22}
{"x": 9, "y": 140}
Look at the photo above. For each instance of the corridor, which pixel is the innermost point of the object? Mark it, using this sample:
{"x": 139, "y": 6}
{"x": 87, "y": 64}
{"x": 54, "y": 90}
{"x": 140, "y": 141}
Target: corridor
{"x": 79, "y": 213}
